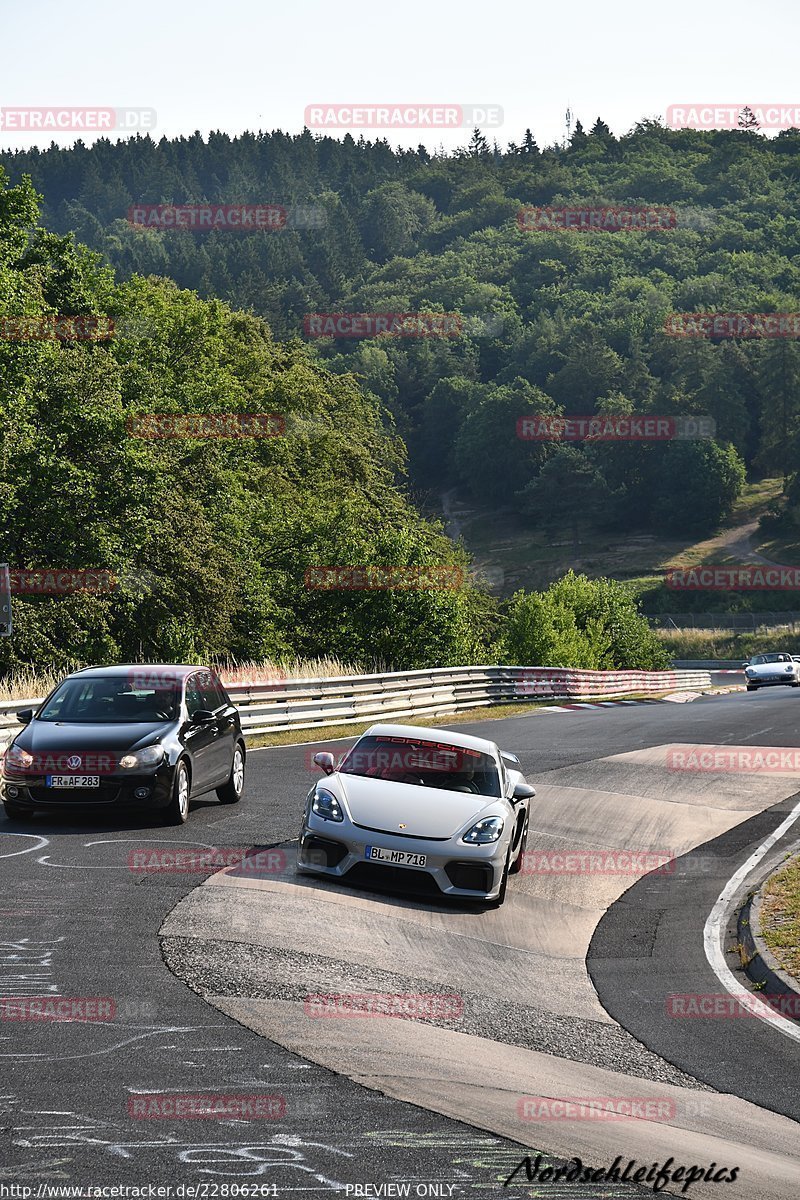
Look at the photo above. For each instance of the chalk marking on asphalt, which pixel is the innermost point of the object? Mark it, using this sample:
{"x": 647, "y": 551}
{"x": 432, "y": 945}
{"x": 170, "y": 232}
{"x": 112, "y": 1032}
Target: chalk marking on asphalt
{"x": 157, "y": 1032}
{"x": 715, "y": 925}
{"x": 167, "y": 841}
{"x": 43, "y": 841}
{"x": 44, "y": 860}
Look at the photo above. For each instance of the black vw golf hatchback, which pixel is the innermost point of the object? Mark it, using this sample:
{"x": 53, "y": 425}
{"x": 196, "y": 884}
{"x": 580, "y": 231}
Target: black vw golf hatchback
{"x": 144, "y": 736}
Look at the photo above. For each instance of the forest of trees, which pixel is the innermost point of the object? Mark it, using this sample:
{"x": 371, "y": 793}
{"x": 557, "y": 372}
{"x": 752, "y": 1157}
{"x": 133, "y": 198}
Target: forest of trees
{"x": 577, "y": 318}
{"x": 207, "y": 540}
{"x": 556, "y": 321}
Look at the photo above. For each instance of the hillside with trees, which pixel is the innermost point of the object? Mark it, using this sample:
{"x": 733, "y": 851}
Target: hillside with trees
{"x": 211, "y": 538}
{"x": 555, "y": 321}
{"x": 206, "y": 540}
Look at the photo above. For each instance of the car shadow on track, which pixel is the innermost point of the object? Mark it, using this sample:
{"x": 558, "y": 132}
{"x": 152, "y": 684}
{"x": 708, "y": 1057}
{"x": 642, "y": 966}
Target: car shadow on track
{"x": 389, "y": 893}
{"x": 49, "y": 822}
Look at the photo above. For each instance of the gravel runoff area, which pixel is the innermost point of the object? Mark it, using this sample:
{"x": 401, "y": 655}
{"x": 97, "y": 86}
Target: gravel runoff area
{"x": 225, "y": 968}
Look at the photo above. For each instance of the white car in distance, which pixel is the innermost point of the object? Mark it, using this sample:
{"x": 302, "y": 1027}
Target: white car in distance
{"x": 771, "y": 670}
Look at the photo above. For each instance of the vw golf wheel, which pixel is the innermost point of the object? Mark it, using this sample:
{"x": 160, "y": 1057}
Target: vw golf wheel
{"x": 178, "y": 811}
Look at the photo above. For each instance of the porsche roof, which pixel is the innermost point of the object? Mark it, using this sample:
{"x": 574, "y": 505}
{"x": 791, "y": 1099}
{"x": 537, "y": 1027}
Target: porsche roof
{"x": 421, "y": 732}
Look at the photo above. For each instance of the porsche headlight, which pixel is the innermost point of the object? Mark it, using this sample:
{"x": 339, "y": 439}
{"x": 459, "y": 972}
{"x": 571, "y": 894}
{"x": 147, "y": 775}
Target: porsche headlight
{"x": 749, "y": 671}
{"x": 790, "y": 667}
{"x": 487, "y": 830}
{"x": 325, "y": 805}
{"x": 151, "y": 756}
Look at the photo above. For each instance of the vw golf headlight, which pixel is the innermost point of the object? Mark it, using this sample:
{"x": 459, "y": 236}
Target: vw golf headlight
{"x": 487, "y": 830}
{"x": 151, "y": 756}
{"x": 325, "y": 805}
{"x": 17, "y": 757}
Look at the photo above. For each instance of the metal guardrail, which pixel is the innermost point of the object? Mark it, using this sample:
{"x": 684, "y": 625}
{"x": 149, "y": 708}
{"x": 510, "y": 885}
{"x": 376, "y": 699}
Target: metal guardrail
{"x": 750, "y": 621}
{"x": 279, "y": 705}
{"x": 708, "y": 664}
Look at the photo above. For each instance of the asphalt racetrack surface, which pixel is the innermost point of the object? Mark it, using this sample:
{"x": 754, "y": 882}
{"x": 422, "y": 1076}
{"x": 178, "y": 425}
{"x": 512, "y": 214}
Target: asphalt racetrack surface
{"x": 82, "y": 920}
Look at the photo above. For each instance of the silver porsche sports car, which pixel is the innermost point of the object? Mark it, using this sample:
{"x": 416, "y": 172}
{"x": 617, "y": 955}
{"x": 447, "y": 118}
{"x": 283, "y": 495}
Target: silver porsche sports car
{"x": 424, "y": 809}
{"x": 766, "y": 670}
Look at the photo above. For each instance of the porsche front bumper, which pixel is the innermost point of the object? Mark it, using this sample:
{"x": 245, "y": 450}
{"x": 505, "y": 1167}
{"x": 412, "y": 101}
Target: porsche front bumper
{"x": 339, "y": 849}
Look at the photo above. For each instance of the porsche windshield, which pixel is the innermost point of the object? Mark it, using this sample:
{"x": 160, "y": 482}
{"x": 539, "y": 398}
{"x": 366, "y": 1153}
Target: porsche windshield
{"x": 426, "y": 764}
{"x": 761, "y": 659}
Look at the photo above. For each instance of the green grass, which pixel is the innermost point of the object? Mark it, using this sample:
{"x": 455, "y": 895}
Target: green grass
{"x": 783, "y": 549}
{"x": 728, "y": 643}
{"x": 498, "y": 712}
{"x": 780, "y": 916}
{"x": 325, "y": 733}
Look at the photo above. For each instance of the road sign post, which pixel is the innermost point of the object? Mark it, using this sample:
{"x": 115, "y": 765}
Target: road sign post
{"x": 5, "y": 601}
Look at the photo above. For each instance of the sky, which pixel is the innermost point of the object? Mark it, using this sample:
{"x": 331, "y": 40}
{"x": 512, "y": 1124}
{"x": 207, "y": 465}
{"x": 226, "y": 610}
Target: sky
{"x": 254, "y": 64}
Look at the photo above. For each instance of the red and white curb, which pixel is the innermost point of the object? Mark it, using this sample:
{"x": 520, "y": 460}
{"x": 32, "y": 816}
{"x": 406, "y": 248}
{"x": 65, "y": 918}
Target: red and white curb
{"x": 676, "y": 697}
{"x": 595, "y": 704}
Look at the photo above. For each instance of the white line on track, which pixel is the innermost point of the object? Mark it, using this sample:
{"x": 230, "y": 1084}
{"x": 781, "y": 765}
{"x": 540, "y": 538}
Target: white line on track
{"x": 44, "y": 859}
{"x": 715, "y": 927}
{"x": 41, "y": 842}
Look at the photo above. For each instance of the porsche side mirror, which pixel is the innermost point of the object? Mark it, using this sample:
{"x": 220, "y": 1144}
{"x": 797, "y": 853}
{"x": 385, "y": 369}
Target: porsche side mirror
{"x": 524, "y": 791}
{"x": 324, "y": 760}
{"x": 745, "y": 665}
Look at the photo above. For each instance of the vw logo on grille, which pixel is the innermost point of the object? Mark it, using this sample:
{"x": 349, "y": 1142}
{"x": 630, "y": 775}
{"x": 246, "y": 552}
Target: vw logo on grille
{"x": 74, "y": 761}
